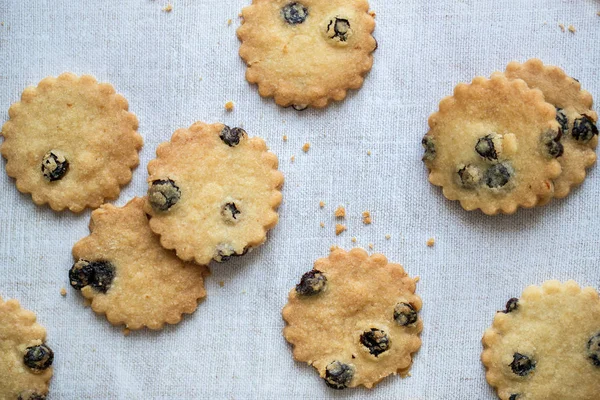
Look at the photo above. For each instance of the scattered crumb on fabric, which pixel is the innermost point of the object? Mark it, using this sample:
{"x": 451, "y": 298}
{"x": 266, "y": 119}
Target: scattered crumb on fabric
{"x": 572, "y": 29}
{"x": 306, "y": 147}
{"x": 229, "y": 106}
{"x": 321, "y": 204}
{"x": 430, "y": 242}
{"x": 367, "y": 217}
{"x": 285, "y": 138}
{"x": 388, "y": 236}
{"x": 221, "y": 283}
{"x": 340, "y": 212}
{"x": 63, "y": 292}
{"x": 562, "y": 27}
{"x": 339, "y": 228}
{"x": 168, "y": 8}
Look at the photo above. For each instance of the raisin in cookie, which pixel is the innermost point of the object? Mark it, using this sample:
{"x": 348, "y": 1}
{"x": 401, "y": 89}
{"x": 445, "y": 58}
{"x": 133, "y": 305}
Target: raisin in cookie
{"x": 573, "y": 113}
{"x": 125, "y": 272}
{"x": 354, "y": 318}
{"x": 307, "y": 52}
{"x": 71, "y": 142}
{"x": 213, "y": 192}
{"x": 546, "y": 345}
{"x": 25, "y": 358}
{"x": 493, "y": 146}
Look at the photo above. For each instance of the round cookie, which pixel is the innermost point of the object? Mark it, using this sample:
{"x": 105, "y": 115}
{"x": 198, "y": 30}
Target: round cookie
{"x": 122, "y": 268}
{"x": 70, "y": 142}
{"x": 354, "y": 318}
{"x": 213, "y": 192}
{"x": 574, "y": 114}
{"x": 307, "y": 52}
{"x": 25, "y": 359}
{"x": 546, "y": 345}
{"x": 493, "y": 146}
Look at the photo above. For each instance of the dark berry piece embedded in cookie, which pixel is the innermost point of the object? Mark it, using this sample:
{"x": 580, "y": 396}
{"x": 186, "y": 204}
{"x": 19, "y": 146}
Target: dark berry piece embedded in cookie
{"x": 522, "y": 364}
{"x": 562, "y": 119}
{"x": 485, "y": 147}
{"x": 294, "y": 13}
{"x": 339, "y": 29}
{"x": 497, "y": 175}
{"x": 311, "y": 283}
{"x": 163, "y": 194}
{"x": 584, "y": 129}
{"x": 405, "y": 314}
{"x": 552, "y": 145}
{"x": 225, "y": 251}
{"x": 230, "y": 212}
{"x": 513, "y": 397}
{"x": 339, "y": 375}
{"x": 429, "y": 146}
{"x": 31, "y": 396}
{"x": 232, "y": 136}
{"x": 593, "y": 349}
{"x": 469, "y": 176}
{"x": 39, "y": 357}
{"x": 54, "y": 165}
{"x": 376, "y": 341}
{"x": 98, "y": 274}
{"x": 511, "y": 305}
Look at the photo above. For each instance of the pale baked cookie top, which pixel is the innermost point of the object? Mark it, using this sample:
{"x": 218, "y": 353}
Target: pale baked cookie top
{"x": 307, "y": 52}
{"x": 574, "y": 114}
{"x": 122, "y": 268}
{"x": 354, "y": 318}
{"x": 213, "y": 192}
{"x": 25, "y": 359}
{"x": 493, "y": 145}
{"x": 71, "y": 142}
{"x": 546, "y": 345}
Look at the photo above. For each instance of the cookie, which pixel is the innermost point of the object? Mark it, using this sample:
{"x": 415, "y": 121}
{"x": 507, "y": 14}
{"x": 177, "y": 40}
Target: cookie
{"x": 122, "y": 268}
{"x": 546, "y": 345}
{"x": 573, "y": 113}
{"x": 70, "y": 142}
{"x": 307, "y": 52}
{"x": 354, "y": 318}
{"x": 493, "y": 146}
{"x": 25, "y": 358}
{"x": 213, "y": 192}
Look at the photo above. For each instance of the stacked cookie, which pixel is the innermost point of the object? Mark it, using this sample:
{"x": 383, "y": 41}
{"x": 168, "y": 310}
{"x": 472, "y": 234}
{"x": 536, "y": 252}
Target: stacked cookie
{"x": 515, "y": 140}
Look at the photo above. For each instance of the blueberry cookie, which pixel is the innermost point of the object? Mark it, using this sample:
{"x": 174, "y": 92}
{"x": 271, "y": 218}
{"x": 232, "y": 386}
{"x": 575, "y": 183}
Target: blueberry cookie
{"x": 128, "y": 276}
{"x": 25, "y": 358}
{"x": 573, "y": 113}
{"x": 71, "y": 142}
{"x": 307, "y": 52}
{"x": 493, "y": 145}
{"x": 354, "y": 318}
{"x": 213, "y": 192}
{"x": 546, "y": 345}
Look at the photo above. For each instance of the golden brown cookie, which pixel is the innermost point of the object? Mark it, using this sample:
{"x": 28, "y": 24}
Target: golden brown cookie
{"x": 546, "y": 345}
{"x": 574, "y": 114}
{"x": 213, "y": 192}
{"x": 71, "y": 142}
{"x": 493, "y": 146}
{"x": 354, "y": 318}
{"x": 307, "y": 52}
{"x": 122, "y": 268}
{"x": 25, "y": 359}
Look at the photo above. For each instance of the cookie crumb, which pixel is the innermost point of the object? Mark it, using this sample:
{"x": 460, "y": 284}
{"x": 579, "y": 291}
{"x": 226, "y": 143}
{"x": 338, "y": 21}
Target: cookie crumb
{"x": 339, "y": 228}
{"x": 229, "y": 106}
{"x": 562, "y": 27}
{"x": 353, "y": 240}
{"x": 63, "y": 292}
{"x": 168, "y": 8}
{"x": 430, "y": 242}
{"x": 572, "y": 29}
{"x": 372, "y": 13}
{"x": 371, "y": 246}
{"x": 221, "y": 283}
{"x": 285, "y": 138}
{"x": 340, "y": 212}
{"x": 126, "y": 331}
{"x": 293, "y": 158}
{"x": 321, "y": 204}
{"x": 367, "y": 218}
{"x": 368, "y": 152}
{"x": 306, "y": 147}
{"x": 334, "y": 247}
{"x": 322, "y": 224}
{"x": 229, "y": 22}
{"x": 388, "y": 236}
{"x": 598, "y": 13}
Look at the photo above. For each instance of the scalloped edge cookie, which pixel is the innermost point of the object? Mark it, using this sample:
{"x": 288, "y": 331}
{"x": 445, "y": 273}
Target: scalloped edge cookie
{"x": 81, "y": 120}
{"x": 349, "y": 289}
{"x": 309, "y": 61}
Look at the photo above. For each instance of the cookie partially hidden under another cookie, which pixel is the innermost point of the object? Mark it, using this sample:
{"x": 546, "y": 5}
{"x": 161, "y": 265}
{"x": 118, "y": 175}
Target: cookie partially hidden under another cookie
{"x": 354, "y": 318}
{"x": 546, "y": 345}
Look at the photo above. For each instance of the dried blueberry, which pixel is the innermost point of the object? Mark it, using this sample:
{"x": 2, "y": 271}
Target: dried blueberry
{"x": 552, "y": 144}
{"x": 513, "y": 397}
{"x": 584, "y": 129}
{"x": 31, "y": 396}
{"x": 294, "y": 13}
{"x": 470, "y": 176}
{"x": 163, "y": 194}
{"x": 376, "y": 341}
{"x": 593, "y": 348}
{"x": 54, "y": 165}
{"x": 229, "y": 212}
{"x": 39, "y": 357}
{"x": 485, "y": 148}
{"x": 497, "y": 175}
{"x": 511, "y": 305}
{"x": 338, "y": 375}
{"x": 405, "y": 314}
{"x": 224, "y": 252}
{"x": 429, "y": 146}
{"x": 311, "y": 283}
{"x": 521, "y": 364}
{"x": 232, "y": 136}
{"x": 98, "y": 274}
{"x": 339, "y": 28}
{"x": 562, "y": 119}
